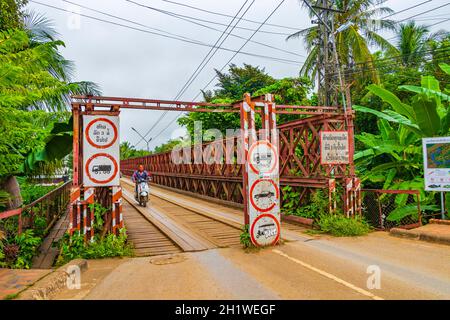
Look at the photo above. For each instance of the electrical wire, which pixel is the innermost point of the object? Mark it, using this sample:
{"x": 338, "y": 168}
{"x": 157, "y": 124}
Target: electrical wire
{"x": 227, "y": 15}
{"x": 203, "y": 63}
{"x": 256, "y": 31}
{"x": 190, "y": 39}
{"x": 281, "y": 60}
{"x": 173, "y": 14}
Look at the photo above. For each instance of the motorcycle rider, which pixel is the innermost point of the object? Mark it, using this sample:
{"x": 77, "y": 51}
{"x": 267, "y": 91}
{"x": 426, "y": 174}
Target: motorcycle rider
{"x": 139, "y": 175}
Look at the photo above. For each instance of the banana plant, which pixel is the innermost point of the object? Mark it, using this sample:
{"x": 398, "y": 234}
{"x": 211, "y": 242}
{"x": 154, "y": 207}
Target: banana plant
{"x": 393, "y": 158}
{"x": 427, "y": 116}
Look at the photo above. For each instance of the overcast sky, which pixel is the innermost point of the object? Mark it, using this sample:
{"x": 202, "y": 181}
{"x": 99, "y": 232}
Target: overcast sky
{"x": 132, "y": 63}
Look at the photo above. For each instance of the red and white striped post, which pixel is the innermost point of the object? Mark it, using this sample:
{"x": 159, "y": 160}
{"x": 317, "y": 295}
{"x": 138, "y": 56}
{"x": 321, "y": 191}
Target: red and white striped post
{"x": 74, "y": 210}
{"x": 117, "y": 217}
{"x": 88, "y": 214}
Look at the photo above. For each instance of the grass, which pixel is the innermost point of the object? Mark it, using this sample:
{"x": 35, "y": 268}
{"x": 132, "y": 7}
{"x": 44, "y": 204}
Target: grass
{"x": 11, "y": 296}
{"x": 341, "y": 226}
{"x": 110, "y": 246}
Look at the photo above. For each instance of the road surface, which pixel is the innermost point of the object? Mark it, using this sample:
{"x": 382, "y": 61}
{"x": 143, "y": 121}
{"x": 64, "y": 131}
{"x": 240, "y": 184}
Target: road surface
{"x": 312, "y": 267}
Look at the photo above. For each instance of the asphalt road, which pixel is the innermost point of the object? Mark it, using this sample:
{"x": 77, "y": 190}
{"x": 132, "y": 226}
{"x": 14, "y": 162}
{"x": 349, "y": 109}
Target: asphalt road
{"x": 309, "y": 268}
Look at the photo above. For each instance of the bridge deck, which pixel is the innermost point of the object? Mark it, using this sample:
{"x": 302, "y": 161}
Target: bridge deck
{"x": 192, "y": 224}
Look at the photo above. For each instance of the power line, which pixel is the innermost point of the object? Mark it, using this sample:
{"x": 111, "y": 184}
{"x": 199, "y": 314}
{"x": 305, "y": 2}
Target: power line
{"x": 406, "y": 9}
{"x": 193, "y": 22}
{"x": 256, "y": 31}
{"x": 428, "y": 26}
{"x": 203, "y": 63}
{"x": 218, "y": 46}
{"x": 173, "y": 14}
{"x": 227, "y": 15}
{"x": 425, "y": 12}
{"x": 392, "y": 64}
{"x": 281, "y": 60}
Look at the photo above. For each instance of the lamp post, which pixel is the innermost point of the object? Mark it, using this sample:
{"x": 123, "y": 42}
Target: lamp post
{"x": 147, "y": 141}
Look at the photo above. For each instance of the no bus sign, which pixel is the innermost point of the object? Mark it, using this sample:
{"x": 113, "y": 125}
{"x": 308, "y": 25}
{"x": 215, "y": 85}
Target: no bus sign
{"x": 101, "y": 151}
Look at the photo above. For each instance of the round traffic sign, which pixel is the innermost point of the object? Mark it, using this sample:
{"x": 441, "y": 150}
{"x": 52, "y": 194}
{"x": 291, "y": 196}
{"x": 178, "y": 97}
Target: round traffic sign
{"x": 101, "y": 168}
{"x": 265, "y": 230}
{"x": 262, "y": 157}
{"x": 264, "y": 195}
{"x": 101, "y": 133}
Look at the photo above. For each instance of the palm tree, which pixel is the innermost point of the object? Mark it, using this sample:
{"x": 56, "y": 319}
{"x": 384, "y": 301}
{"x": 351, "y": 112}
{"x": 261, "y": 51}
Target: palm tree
{"x": 42, "y": 35}
{"x": 413, "y": 43}
{"x": 41, "y": 30}
{"x": 353, "y": 43}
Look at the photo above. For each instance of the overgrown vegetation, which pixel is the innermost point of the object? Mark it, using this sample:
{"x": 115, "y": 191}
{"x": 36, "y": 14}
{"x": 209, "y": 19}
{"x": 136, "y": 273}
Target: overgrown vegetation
{"x": 245, "y": 238}
{"x": 18, "y": 251}
{"x": 31, "y": 191}
{"x": 312, "y": 208}
{"x": 340, "y": 226}
{"x": 110, "y": 246}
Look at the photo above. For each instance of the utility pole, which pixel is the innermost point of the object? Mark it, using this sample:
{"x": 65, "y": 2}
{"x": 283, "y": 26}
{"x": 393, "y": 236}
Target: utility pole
{"x": 330, "y": 80}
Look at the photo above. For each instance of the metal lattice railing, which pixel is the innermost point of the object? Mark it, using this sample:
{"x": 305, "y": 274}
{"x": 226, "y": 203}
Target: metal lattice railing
{"x": 49, "y": 208}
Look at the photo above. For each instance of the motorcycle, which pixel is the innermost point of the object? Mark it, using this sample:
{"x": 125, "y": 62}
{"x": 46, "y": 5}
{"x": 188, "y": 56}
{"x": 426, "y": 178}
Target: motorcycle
{"x": 143, "y": 192}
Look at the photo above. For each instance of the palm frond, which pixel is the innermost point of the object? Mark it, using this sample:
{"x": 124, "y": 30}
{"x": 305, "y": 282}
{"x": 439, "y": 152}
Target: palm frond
{"x": 39, "y": 27}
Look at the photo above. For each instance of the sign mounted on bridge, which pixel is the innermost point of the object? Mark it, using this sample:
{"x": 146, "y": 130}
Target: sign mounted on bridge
{"x": 101, "y": 155}
{"x": 262, "y": 179}
{"x": 262, "y": 157}
{"x": 334, "y": 147}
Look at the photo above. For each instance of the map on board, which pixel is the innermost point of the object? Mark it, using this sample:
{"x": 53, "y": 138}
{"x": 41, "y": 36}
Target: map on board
{"x": 438, "y": 155}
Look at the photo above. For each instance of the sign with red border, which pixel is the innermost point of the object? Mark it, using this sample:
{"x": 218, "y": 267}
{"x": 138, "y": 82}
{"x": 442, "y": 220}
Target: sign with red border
{"x": 334, "y": 147}
{"x": 101, "y": 154}
{"x": 262, "y": 157}
{"x": 265, "y": 230}
{"x": 264, "y": 195}
{"x": 105, "y": 168}
{"x": 103, "y": 131}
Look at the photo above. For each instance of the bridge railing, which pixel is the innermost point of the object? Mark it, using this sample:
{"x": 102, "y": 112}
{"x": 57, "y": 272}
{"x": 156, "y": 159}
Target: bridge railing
{"x": 299, "y": 162}
{"x": 42, "y": 213}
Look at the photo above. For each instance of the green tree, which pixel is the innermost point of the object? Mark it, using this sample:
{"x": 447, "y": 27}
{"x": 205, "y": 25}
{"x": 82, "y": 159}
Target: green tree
{"x": 34, "y": 77}
{"x": 237, "y": 81}
{"x": 255, "y": 81}
{"x": 127, "y": 151}
{"x": 10, "y": 14}
{"x": 414, "y": 42}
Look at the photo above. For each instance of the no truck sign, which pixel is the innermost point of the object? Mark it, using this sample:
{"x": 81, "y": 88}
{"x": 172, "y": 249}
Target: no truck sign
{"x": 101, "y": 151}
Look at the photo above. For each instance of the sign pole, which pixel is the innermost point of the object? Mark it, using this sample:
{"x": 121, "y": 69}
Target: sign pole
{"x": 442, "y": 205}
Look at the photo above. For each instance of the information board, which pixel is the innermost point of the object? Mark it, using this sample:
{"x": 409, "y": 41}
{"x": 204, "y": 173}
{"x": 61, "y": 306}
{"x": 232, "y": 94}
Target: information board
{"x": 436, "y": 160}
{"x": 334, "y": 147}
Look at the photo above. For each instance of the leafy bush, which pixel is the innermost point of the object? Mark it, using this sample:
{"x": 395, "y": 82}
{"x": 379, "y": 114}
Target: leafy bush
{"x": 317, "y": 205}
{"x": 99, "y": 212}
{"x": 245, "y": 239}
{"x": 341, "y": 226}
{"x": 18, "y": 251}
{"x": 28, "y": 244}
{"x": 110, "y": 246}
{"x": 31, "y": 191}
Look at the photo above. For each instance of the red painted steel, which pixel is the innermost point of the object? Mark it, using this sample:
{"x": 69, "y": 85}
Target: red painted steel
{"x": 51, "y": 205}
{"x": 298, "y": 142}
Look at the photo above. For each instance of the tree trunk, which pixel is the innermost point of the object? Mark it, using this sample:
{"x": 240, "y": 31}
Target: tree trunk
{"x": 11, "y": 186}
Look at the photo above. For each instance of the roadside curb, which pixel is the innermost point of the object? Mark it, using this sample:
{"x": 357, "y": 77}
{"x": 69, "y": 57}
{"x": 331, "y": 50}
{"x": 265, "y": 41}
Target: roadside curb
{"x": 403, "y": 233}
{"x": 439, "y": 221}
{"x": 52, "y": 283}
{"x": 418, "y": 235}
